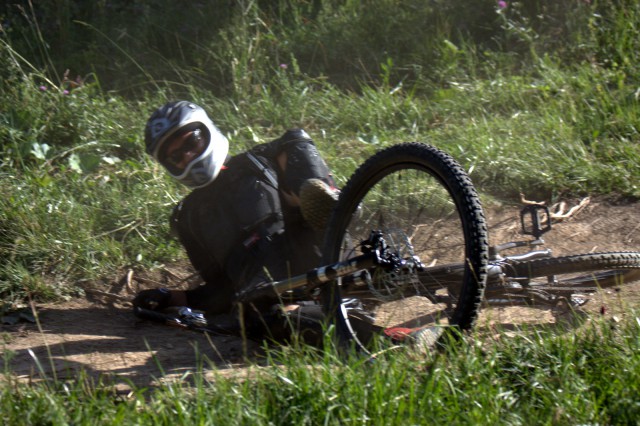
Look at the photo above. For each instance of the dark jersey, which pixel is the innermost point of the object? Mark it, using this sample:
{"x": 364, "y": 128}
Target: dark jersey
{"x": 238, "y": 232}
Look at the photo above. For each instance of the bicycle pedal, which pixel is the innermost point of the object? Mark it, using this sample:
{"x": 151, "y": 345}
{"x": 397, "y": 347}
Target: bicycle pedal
{"x": 540, "y": 219}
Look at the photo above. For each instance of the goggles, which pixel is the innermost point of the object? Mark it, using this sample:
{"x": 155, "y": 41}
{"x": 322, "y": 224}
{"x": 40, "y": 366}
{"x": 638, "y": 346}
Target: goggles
{"x": 174, "y": 152}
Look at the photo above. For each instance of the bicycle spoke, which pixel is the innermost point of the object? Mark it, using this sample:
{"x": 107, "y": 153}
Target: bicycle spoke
{"x": 417, "y": 210}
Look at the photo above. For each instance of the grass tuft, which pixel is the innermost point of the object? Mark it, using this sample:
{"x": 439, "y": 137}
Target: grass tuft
{"x": 539, "y": 96}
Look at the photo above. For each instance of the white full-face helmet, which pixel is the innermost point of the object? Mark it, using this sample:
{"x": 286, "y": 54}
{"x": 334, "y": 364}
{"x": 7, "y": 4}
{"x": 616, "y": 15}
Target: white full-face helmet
{"x": 173, "y": 121}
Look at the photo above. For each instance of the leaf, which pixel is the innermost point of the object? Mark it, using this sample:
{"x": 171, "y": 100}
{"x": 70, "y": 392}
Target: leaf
{"x": 452, "y": 47}
{"x": 84, "y": 163}
{"x": 110, "y": 160}
{"x": 40, "y": 150}
{"x": 89, "y": 162}
{"x": 74, "y": 163}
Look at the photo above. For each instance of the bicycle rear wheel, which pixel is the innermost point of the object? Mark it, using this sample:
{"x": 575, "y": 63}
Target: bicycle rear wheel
{"x": 425, "y": 205}
{"x": 544, "y": 292}
{"x": 566, "y": 275}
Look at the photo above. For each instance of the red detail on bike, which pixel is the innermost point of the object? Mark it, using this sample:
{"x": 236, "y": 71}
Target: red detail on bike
{"x": 399, "y": 334}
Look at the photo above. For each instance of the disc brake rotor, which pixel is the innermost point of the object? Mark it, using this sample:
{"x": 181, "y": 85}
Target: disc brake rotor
{"x": 388, "y": 285}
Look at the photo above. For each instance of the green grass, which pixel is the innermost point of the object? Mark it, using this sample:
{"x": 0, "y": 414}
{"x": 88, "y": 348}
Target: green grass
{"x": 83, "y": 198}
{"x": 540, "y": 97}
{"x": 536, "y": 377}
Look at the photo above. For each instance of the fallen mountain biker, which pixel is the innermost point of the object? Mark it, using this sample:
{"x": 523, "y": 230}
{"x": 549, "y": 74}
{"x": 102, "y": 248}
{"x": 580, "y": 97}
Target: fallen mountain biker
{"x": 251, "y": 218}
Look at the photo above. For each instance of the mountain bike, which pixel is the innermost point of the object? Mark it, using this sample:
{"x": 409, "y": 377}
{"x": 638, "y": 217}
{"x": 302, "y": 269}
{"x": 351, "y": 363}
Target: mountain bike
{"x": 406, "y": 204}
{"x": 417, "y": 210}
{"x": 407, "y": 249}
{"x": 537, "y": 278}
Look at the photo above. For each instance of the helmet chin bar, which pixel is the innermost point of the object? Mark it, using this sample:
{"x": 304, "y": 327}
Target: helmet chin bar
{"x": 198, "y": 174}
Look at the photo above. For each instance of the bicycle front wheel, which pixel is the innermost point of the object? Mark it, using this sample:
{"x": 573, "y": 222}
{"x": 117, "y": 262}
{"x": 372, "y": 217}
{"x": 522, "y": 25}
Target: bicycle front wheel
{"x": 425, "y": 206}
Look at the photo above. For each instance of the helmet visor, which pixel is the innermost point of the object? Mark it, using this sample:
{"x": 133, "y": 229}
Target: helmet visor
{"x": 182, "y": 149}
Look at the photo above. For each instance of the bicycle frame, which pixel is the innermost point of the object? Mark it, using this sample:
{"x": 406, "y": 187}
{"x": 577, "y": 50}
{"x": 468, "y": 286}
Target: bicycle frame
{"x": 354, "y": 270}
{"x": 503, "y": 287}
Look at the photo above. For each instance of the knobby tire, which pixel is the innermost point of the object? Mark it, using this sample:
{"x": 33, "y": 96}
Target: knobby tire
{"x": 440, "y": 219}
{"x": 600, "y": 269}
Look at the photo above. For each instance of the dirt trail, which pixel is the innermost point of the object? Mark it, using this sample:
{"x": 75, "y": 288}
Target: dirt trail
{"x": 100, "y": 336}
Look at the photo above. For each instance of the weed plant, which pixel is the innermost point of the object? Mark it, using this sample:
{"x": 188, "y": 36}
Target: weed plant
{"x": 538, "y": 96}
{"x": 518, "y": 110}
{"x": 535, "y": 377}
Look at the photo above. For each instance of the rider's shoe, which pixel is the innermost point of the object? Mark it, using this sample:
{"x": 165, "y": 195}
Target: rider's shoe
{"x": 317, "y": 200}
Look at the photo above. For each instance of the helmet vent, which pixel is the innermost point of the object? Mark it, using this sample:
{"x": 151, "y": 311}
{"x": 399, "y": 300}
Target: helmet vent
{"x": 158, "y": 127}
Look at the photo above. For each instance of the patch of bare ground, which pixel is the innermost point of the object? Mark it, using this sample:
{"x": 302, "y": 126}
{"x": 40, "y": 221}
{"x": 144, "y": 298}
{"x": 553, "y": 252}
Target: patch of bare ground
{"x": 599, "y": 225}
{"x": 100, "y": 336}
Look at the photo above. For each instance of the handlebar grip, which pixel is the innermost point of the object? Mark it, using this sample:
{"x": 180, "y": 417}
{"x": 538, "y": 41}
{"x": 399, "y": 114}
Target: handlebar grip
{"x": 148, "y": 314}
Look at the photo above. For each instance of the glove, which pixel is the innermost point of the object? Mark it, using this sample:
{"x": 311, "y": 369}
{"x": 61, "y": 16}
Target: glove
{"x": 155, "y": 299}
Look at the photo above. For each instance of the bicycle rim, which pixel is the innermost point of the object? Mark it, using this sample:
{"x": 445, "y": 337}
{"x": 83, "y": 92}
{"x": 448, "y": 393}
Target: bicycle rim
{"x": 555, "y": 282}
{"x": 425, "y": 205}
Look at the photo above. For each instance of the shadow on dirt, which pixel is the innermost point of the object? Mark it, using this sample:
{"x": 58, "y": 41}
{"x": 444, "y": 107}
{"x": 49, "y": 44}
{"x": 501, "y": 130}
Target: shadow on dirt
{"x": 113, "y": 344}
{"x": 101, "y": 337}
